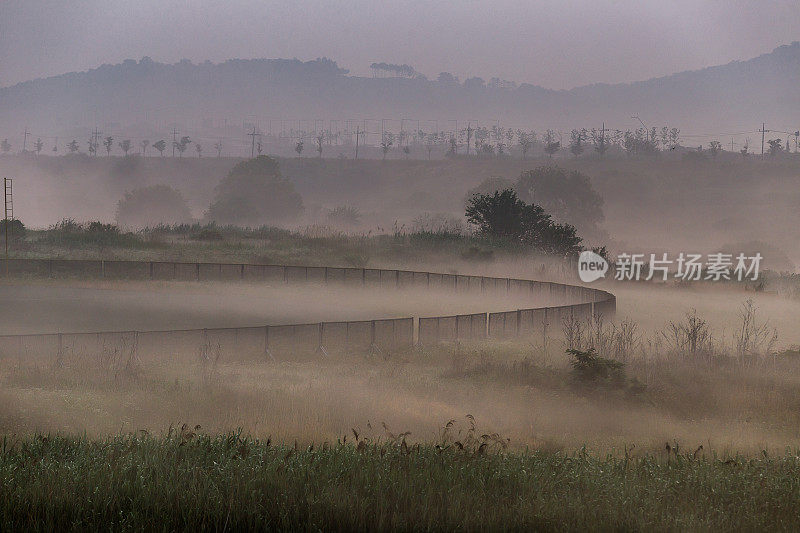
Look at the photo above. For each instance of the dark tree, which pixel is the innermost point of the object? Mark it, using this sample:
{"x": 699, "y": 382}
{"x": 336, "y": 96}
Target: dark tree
{"x": 567, "y": 195}
{"x": 255, "y": 193}
{"x": 503, "y": 215}
{"x": 160, "y": 146}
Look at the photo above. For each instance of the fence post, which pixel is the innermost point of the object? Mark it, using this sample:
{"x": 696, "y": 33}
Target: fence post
{"x": 241, "y": 274}
{"x": 103, "y": 268}
{"x": 151, "y": 270}
{"x": 267, "y": 351}
{"x": 397, "y": 279}
{"x": 285, "y": 274}
{"x": 508, "y": 285}
{"x": 321, "y": 333}
{"x": 197, "y": 271}
{"x": 326, "y": 275}
{"x": 363, "y": 276}
{"x": 519, "y": 321}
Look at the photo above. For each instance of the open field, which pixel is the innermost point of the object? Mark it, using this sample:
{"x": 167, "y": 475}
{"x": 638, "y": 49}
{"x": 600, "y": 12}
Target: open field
{"x": 563, "y": 452}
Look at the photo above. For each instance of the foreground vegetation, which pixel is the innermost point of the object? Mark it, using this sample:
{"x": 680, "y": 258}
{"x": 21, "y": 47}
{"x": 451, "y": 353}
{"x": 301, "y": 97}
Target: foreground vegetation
{"x": 187, "y": 481}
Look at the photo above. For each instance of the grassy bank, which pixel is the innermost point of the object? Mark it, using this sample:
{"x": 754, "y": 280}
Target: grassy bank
{"x": 185, "y": 481}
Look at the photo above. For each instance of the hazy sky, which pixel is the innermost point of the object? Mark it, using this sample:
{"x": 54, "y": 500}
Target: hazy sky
{"x": 557, "y": 44}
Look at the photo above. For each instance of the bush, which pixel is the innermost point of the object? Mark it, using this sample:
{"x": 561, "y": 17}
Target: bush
{"x": 566, "y": 196}
{"x": 150, "y": 206}
{"x": 588, "y": 367}
{"x": 255, "y": 193}
{"x": 504, "y": 215}
{"x": 344, "y": 215}
{"x": 16, "y": 230}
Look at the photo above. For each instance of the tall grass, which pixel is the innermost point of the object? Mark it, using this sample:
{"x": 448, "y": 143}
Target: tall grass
{"x": 230, "y": 482}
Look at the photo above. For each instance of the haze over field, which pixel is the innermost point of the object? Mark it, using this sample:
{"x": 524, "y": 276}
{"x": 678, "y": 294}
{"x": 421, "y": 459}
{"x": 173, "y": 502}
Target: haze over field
{"x": 410, "y": 265}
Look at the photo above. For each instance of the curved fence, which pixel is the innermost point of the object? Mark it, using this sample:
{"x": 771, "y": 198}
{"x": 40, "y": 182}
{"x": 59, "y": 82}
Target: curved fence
{"x": 554, "y": 303}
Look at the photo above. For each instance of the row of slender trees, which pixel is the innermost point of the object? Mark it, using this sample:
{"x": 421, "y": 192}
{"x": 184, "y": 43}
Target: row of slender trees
{"x": 179, "y": 146}
{"x": 479, "y": 141}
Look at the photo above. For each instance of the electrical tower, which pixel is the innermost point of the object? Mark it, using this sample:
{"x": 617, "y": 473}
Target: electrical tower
{"x": 8, "y": 205}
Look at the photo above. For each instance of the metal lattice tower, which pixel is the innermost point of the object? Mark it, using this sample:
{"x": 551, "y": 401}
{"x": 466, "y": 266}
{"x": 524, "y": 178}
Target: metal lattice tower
{"x": 8, "y": 204}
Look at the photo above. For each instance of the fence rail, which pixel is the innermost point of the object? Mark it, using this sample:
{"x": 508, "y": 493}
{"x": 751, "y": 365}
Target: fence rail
{"x": 556, "y": 302}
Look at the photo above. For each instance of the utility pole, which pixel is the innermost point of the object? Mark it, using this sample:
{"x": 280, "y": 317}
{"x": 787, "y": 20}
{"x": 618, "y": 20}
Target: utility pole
{"x": 357, "y": 134}
{"x": 763, "y": 130}
{"x": 253, "y": 144}
{"x": 174, "y": 140}
{"x": 96, "y": 139}
{"x": 732, "y": 144}
{"x": 25, "y": 140}
{"x": 8, "y": 204}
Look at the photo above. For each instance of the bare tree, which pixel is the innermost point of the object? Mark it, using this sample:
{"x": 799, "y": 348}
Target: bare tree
{"x": 576, "y": 142}
{"x": 320, "y": 139}
{"x": 109, "y": 144}
{"x": 298, "y": 147}
{"x": 599, "y": 141}
{"x": 38, "y": 145}
{"x": 144, "y": 144}
{"x": 746, "y": 148}
{"x": 199, "y": 149}
{"x": 72, "y": 146}
{"x": 525, "y": 142}
{"x": 125, "y": 146}
{"x": 218, "y": 148}
{"x": 386, "y": 144}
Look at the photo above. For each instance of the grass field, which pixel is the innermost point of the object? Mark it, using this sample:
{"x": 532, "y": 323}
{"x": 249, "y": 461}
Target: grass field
{"x": 678, "y": 440}
{"x": 185, "y": 481}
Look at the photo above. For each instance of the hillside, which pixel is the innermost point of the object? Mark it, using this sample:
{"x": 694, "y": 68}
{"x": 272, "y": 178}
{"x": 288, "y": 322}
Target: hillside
{"x": 145, "y": 96}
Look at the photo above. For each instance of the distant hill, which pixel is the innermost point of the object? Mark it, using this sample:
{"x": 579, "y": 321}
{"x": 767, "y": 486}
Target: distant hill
{"x": 738, "y": 95}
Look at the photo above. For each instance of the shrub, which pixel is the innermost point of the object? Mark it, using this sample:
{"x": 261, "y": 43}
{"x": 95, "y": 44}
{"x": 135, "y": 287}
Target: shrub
{"x": 150, "y": 206}
{"x": 566, "y": 196}
{"x": 344, "y": 215}
{"x": 504, "y": 215}
{"x": 16, "y": 230}
{"x": 255, "y": 193}
{"x": 590, "y": 368}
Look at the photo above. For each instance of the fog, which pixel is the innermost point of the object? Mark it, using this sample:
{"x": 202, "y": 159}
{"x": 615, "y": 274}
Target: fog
{"x": 364, "y": 135}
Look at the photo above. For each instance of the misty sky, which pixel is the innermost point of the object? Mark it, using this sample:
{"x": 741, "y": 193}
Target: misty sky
{"x": 554, "y": 44}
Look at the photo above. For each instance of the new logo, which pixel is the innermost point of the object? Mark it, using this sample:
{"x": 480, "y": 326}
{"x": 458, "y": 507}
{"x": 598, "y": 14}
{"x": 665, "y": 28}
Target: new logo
{"x": 591, "y": 266}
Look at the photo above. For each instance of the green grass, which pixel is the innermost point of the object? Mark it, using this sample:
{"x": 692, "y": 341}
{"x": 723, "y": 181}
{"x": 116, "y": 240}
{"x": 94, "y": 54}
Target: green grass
{"x": 190, "y": 482}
